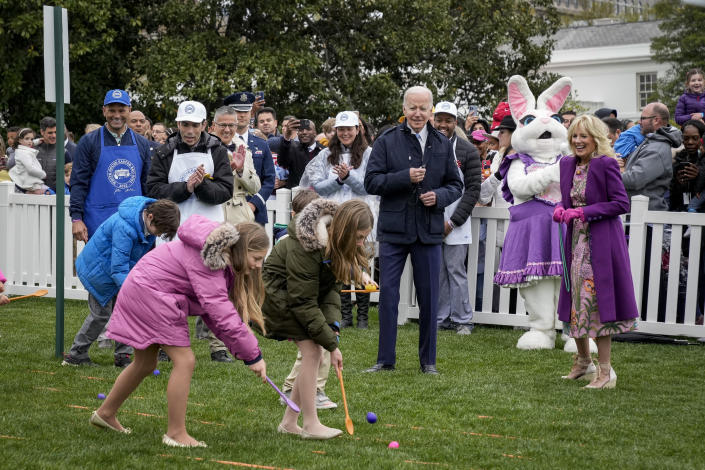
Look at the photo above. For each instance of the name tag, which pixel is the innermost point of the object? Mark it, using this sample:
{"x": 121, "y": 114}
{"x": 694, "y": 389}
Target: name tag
{"x": 258, "y": 152}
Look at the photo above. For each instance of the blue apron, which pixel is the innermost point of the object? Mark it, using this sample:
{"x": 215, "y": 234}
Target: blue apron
{"x": 116, "y": 177}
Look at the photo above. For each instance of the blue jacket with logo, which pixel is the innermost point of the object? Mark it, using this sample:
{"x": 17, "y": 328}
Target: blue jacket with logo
{"x": 85, "y": 161}
{"x": 402, "y": 216}
{"x": 264, "y": 166}
{"x": 114, "y": 249}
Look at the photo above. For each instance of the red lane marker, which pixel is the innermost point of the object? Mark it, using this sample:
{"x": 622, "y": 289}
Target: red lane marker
{"x": 484, "y": 417}
{"x": 511, "y": 456}
{"x": 79, "y": 407}
{"x": 426, "y": 463}
{"x": 248, "y": 465}
{"x": 146, "y": 414}
{"x": 322, "y": 452}
{"x": 228, "y": 462}
{"x": 209, "y": 422}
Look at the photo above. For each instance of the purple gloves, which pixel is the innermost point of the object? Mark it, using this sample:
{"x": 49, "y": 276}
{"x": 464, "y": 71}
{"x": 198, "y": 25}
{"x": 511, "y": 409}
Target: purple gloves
{"x": 558, "y": 214}
{"x": 570, "y": 214}
{"x": 562, "y": 215}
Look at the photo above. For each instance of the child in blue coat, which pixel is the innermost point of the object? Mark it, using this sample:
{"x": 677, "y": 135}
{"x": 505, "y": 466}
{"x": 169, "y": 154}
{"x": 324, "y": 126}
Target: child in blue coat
{"x": 106, "y": 260}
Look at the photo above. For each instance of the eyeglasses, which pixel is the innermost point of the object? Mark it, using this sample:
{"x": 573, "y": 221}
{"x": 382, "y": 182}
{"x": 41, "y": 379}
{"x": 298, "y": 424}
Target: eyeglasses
{"x": 644, "y": 118}
{"x": 229, "y": 126}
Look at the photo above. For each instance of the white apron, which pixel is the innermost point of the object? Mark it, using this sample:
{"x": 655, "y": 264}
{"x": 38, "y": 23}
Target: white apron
{"x": 182, "y": 166}
{"x": 459, "y": 235}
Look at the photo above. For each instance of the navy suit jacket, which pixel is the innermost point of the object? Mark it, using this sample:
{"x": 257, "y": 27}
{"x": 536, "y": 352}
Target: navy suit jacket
{"x": 264, "y": 166}
{"x": 402, "y": 216}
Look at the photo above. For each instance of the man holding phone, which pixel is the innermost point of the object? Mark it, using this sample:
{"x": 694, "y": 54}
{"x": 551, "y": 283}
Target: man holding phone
{"x": 293, "y": 155}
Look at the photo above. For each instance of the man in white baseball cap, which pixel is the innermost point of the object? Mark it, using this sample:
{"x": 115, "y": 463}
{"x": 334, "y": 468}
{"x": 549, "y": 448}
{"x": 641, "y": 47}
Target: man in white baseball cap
{"x": 192, "y": 167}
{"x": 454, "y": 306}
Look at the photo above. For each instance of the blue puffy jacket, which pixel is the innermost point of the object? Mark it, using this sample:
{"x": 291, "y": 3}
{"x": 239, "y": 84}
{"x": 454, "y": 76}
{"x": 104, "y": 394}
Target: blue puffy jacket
{"x": 114, "y": 249}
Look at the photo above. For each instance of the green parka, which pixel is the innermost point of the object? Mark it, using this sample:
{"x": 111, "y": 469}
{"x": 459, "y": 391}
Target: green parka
{"x": 302, "y": 296}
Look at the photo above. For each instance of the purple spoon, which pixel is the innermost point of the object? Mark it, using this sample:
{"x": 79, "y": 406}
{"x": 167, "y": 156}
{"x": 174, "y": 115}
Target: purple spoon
{"x": 286, "y": 399}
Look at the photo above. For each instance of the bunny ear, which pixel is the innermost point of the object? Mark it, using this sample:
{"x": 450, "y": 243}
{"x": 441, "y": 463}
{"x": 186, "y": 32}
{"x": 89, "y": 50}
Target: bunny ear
{"x": 554, "y": 97}
{"x": 521, "y": 99}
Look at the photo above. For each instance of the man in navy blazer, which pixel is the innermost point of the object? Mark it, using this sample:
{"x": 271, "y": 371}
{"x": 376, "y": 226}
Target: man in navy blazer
{"x": 261, "y": 155}
{"x": 412, "y": 167}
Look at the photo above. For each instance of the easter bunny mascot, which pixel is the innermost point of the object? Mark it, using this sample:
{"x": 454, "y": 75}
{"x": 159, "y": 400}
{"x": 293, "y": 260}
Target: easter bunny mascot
{"x": 531, "y": 258}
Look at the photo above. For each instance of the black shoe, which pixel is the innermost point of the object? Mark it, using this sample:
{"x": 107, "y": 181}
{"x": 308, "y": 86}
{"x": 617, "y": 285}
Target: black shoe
{"x": 378, "y": 367}
{"x": 69, "y": 360}
{"x": 362, "y": 324}
{"x": 221, "y": 356}
{"x": 346, "y": 323}
{"x": 122, "y": 360}
{"x": 163, "y": 356}
{"x": 429, "y": 369}
{"x": 448, "y": 326}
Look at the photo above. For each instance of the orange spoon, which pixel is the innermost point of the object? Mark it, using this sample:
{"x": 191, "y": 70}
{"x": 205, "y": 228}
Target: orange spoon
{"x": 348, "y": 422}
{"x": 39, "y": 293}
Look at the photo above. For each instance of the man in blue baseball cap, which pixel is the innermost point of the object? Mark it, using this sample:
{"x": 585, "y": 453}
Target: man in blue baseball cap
{"x": 110, "y": 164}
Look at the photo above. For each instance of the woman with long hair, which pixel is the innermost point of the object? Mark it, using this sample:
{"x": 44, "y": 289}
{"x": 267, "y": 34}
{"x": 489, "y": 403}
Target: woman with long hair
{"x": 338, "y": 173}
{"x": 599, "y": 301}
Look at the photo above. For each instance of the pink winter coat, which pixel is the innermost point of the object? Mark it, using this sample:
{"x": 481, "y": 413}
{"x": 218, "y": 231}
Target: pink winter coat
{"x": 188, "y": 276}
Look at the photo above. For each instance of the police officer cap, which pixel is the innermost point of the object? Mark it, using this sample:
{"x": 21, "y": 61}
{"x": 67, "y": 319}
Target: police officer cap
{"x": 240, "y": 101}
{"x": 117, "y": 96}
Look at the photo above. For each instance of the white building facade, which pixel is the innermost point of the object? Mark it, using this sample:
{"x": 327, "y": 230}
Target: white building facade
{"x": 610, "y": 64}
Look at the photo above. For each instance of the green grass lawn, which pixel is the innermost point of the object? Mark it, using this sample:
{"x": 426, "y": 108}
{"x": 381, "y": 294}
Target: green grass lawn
{"x": 492, "y": 406}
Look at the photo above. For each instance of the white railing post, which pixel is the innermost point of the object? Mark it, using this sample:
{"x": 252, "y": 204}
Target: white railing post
{"x": 283, "y": 210}
{"x": 6, "y": 189}
{"x": 637, "y": 243}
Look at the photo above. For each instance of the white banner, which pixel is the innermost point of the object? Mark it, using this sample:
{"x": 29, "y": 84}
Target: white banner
{"x": 49, "y": 62}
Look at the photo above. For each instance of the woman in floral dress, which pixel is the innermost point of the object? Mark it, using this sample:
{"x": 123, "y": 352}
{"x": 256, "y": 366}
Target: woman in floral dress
{"x": 601, "y": 300}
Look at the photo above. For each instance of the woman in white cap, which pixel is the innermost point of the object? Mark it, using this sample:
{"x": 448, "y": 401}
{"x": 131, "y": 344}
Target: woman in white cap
{"x": 338, "y": 173}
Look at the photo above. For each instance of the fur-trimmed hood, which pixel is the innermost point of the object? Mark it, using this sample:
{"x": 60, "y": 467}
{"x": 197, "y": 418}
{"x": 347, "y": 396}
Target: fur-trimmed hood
{"x": 311, "y": 225}
{"x": 212, "y": 239}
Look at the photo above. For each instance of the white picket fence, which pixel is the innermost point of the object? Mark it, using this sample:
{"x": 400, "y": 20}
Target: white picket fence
{"x": 27, "y": 255}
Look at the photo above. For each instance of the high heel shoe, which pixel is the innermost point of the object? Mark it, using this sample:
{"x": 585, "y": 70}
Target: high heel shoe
{"x": 172, "y": 443}
{"x": 583, "y": 368}
{"x": 99, "y": 422}
{"x": 606, "y": 378}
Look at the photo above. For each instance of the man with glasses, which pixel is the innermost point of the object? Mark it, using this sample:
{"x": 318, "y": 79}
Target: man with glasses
{"x": 242, "y": 102}
{"x": 649, "y": 169}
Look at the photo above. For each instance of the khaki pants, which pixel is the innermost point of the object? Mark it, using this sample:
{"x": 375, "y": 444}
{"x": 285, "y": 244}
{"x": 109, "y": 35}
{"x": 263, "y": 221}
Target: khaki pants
{"x": 321, "y": 375}
{"x": 202, "y": 332}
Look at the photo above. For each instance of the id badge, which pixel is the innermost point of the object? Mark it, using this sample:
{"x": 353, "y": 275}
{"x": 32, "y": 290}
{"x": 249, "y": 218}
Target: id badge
{"x": 686, "y": 199}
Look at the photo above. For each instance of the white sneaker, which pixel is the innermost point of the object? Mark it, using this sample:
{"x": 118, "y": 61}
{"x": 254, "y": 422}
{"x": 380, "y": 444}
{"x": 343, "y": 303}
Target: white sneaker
{"x": 323, "y": 402}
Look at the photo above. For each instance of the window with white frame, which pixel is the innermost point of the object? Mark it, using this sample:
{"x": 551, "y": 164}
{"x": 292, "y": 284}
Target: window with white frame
{"x": 645, "y": 87}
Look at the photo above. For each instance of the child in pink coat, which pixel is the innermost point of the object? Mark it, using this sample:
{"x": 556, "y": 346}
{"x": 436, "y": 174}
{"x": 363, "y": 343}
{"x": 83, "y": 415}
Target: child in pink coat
{"x": 214, "y": 271}
{"x": 3, "y": 298}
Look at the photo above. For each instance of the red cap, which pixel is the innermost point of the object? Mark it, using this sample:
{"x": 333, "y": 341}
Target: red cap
{"x": 500, "y": 112}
